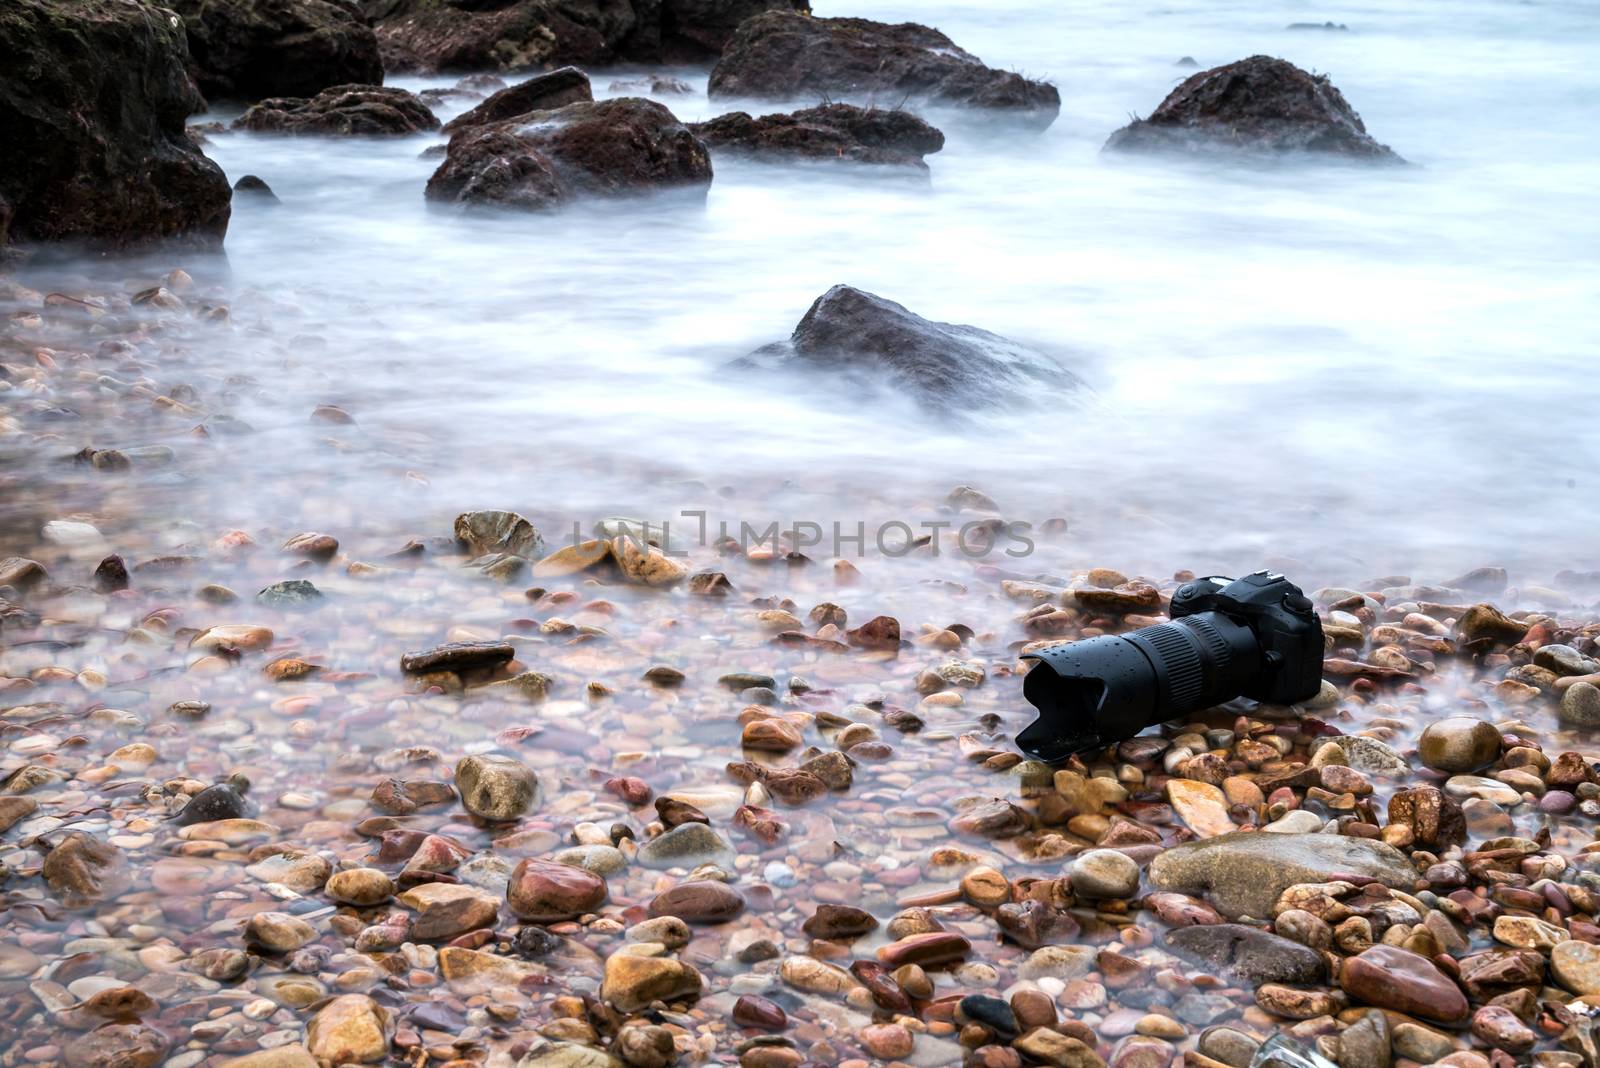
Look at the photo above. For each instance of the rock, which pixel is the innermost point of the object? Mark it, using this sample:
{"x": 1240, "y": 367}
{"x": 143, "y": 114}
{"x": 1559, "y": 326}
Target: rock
{"x": 829, "y": 133}
{"x": 1580, "y": 706}
{"x": 457, "y": 656}
{"x": 446, "y": 910}
{"x": 687, "y": 846}
{"x": 1201, "y": 806}
{"x": 1366, "y": 1043}
{"x": 278, "y": 932}
{"x": 886, "y": 1042}
{"x": 543, "y": 92}
{"x": 759, "y": 1013}
{"x": 304, "y": 873}
{"x": 867, "y": 340}
{"x": 118, "y": 1045}
{"x": 568, "y": 1055}
{"x": 92, "y": 117}
{"x": 1435, "y": 818}
{"x": 1259, "y": 105}
{"x": 546, "y": 892}
{"x": 362, "y": 110}
{"x": 1458, "y": 744}
{"x": 645, "y": 1046}
{"x": 1397, "y": 979}
{"x": 111, "y": 574}
{"x": 698, "y": 901}
{"x": 83, "y": 871}
{"x": 293, "y": 1055}
{"x": 1499, "y": 1027}
{"x": 295, "y": 593}
{"x": 1363, "y": 754}
{"x": 489, "y": 532}
{"x": 1249, "y": 954}
{"x": 1244, "y": 872}
{"x": 221, "y": 801}
{"x": 362, "y": 887}
{"x": 1052, "y": 1047}
{"x": 692, "y": 31}
{"x": 788, "y": 56}
{"x": 602, "y": 149}
{"x": 246, "y": 50}
{"x": 242, "y": 637}
{"x": 631, "y": 983}
{"x": 15, "y": 809}
{"x": 1576, "y": 966}
{"x": 496, "y": 788}
{"x": 1104, "y": 873}
{"x": 771, "y": 735}
{"x": 813, "y": 976}
{"x": 934, "y": 947}
{"x": 1485, "y": 625}
{"x": 506, "y": 35}
{"x": 250, "y": 187}
{"x": 840, "y": 922}
{"x": 351, "y": 1028}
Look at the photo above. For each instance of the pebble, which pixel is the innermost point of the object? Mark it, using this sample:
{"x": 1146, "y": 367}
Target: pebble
{"x": 686, "y": 846}
{"x": 1458, "y": 744}
{"x": 1105, "y": 873}
{"x": 496, "y": 788}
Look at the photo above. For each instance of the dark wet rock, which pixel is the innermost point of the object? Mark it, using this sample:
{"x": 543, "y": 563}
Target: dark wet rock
{"x": 698, "y": 901}
{"x": 111, "y": 575}
{"x": 522, "y": 35}
{"x": 653, "y": 85}
{"x": 82, "y": 871}
{"x": 293, "y": 593}
{"x": 222, "y": 801}
{"x": 543, "y": 92}
{"x": 864, "y": 338}
{"x": 357, "y": 110}
{"x": 247, "y": 49}
{"x": 674, "y": 813}
{"x": 992, "y": 1012}
{"x": 92, "y": 110}
{"x": 789, "y": 56}
{"x": 1248, "y": 954}
{"x": 253, "y": 188}
{"x": 609, "y": 148}
{"x": 1243, "y": 873}
{"x": 829, "y": 133}
{"x": 1259, "y": 105}
{"x": 693, "y": 31}
{"x": 1032, "y": 924}
{"x": 457, "y": 656}
{"x": 757, "y": 1012}
{"x": 840, "y": 922}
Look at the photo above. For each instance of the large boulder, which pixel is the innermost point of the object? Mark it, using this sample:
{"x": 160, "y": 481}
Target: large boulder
{"x": 250, "y": 49}
{"x": 788, "y": 56}
{"x": 544, "y": 92}
{"x": 1258, "y": 105}
{"x": 519, "y": 35}
{"x": 830, "y": 133}
{"x": 344, "y": 109}
{"x": 1242, "y": 873}
{"x": 941, "y": 366}
{"x": 692, "y": 31}
{"x": 92, "y": 110}
{"x": 609, "y": 148}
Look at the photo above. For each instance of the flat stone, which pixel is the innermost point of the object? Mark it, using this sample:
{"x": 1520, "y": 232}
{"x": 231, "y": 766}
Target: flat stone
{"x": 1202, "y": 807}
{"x": 687, "y": 845}
{"x": 457, "y": 656}
{"x": 698, "y": 901}
{"x": 545, "y": 892}
{"x": 446, "y": 910}
{"x": 632, "y": 982}
{"x": 1249, "y": 954}
{"x": 351, "y": 1028}
{"x": 1576, "y": 966}
{"x": 1243, "y": 873}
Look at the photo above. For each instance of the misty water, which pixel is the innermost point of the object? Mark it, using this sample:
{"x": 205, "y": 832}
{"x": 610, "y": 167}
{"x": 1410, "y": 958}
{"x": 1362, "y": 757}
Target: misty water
{"x": 1371, "y": 370}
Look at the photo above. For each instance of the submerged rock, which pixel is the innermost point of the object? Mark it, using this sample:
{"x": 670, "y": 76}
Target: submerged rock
{"x": 247, "y": 50}
{"x": 1243, "y": 873}
{"x": 344, "y": 109}
{"x": 543, "y": 92}
{"x": 941, "y": 366}
{"x": 608, "y": 148}
{"x": 1258, "y": 105}
{"x": 1249, "y": 954}
{"x": 77, "y": 168}
{"x": 830, "y": 133}
{"x": 789, "y": 56}
{"x": 82, "y": 871}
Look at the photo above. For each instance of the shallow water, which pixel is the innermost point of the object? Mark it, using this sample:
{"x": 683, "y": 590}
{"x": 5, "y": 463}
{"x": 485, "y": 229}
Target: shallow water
{"x": 1372, "y": 369}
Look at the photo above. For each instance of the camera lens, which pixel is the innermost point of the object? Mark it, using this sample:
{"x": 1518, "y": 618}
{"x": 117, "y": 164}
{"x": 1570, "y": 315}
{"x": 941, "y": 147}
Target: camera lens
{"x": 1093, "y": 692}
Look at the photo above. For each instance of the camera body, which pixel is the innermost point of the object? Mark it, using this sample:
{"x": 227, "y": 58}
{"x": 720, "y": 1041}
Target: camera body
{"x": 1255, "y": 637}
{"x": 1280, "y": 616}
